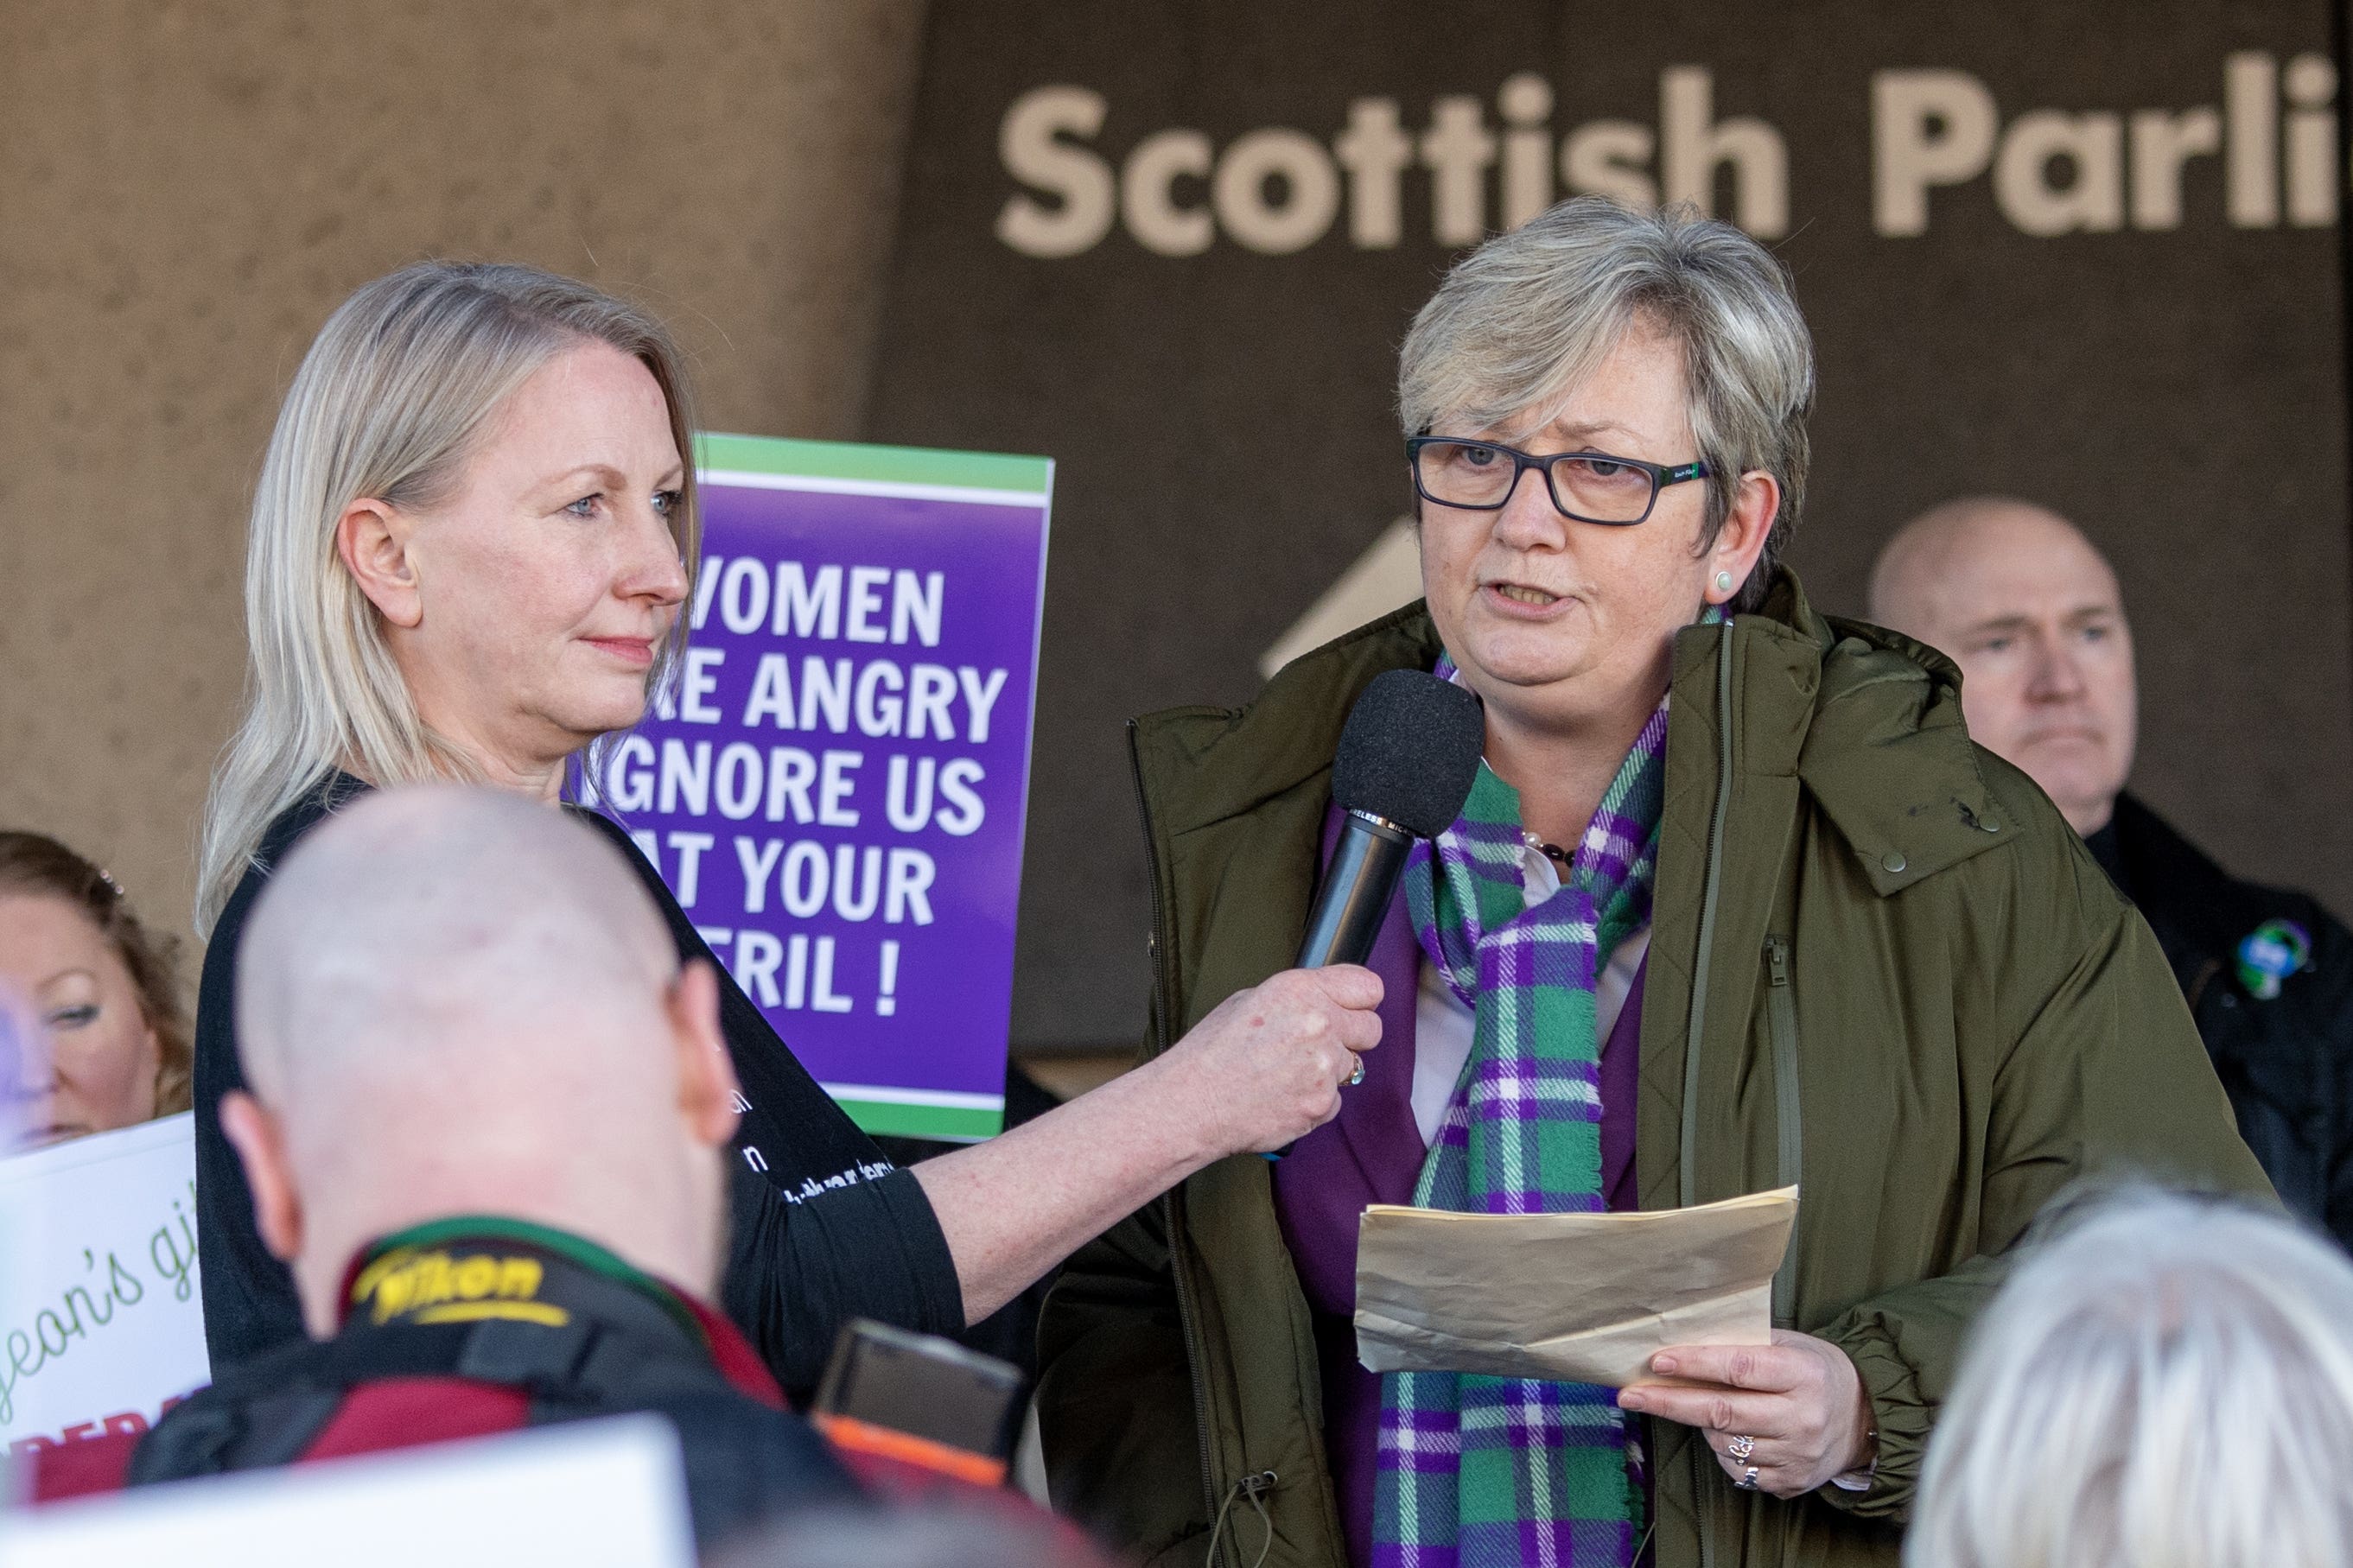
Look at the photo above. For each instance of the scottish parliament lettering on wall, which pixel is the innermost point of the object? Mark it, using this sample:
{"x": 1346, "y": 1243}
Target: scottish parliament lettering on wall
{"x": 2089, "y": 258}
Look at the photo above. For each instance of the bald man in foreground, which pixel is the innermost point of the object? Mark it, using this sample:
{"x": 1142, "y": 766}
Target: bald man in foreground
{"x": 2032, "y": 613}
{"x": 487, "y": 1126}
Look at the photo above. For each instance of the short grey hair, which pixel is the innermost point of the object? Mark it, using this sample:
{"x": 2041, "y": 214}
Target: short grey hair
{"x": 2166, "y": 1382}
{"x": 1522, "y": 319}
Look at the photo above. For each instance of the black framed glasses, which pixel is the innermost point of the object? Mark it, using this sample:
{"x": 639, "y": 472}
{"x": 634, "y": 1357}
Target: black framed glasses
{"x": 1591, "y": 487}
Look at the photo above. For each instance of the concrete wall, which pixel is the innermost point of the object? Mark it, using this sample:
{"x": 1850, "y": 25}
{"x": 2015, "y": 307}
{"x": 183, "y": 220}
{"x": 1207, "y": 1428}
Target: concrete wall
{"x": 186, "y": 190}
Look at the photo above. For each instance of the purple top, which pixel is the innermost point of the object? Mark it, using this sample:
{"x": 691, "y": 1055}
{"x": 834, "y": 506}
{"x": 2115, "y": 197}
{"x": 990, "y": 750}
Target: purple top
{"x": 1372, "y": 1153}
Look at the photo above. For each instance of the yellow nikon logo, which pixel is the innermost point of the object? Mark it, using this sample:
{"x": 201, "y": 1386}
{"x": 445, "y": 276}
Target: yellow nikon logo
{"x": 435, "y": 1288}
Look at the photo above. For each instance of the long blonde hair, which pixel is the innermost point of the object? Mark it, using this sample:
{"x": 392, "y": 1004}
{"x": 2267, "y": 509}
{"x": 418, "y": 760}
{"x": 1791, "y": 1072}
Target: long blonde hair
{"x": 388, "y": 404}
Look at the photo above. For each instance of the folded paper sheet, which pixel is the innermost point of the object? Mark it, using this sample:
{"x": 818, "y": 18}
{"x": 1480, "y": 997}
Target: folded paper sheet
{"x": 1579, "y": 1298}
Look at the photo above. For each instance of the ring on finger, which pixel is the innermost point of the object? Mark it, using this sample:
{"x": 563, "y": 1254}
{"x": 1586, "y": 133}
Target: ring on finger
{"x": 1739, "y": 1448}
{"x": 1748, "y": 1481}
{"x": 1357, "y": 1073}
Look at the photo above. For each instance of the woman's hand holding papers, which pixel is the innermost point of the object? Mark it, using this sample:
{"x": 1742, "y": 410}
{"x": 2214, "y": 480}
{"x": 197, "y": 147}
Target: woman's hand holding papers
{"x": 1799, "y": 1400}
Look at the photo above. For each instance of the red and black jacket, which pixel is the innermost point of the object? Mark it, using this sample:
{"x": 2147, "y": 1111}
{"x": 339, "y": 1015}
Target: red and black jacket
{"x": 472, "y": 1326}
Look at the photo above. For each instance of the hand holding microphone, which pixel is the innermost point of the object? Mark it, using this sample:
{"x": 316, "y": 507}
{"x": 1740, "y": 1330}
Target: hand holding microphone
{"x": 1407, "y": 761}
{"x": 1267, "y": 1064}
{"x": 1278, "y": 1055}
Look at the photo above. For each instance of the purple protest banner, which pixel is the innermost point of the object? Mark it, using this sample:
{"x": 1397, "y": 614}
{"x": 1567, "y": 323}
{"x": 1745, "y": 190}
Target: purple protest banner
{"x": 835, "y": 787}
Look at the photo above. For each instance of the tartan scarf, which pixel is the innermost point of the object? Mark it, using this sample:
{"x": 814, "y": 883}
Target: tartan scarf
{"x": 1490, "y": 1472}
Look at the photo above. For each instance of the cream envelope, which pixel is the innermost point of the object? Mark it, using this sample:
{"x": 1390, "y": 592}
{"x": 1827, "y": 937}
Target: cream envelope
{"x": 1581, "y": 1298}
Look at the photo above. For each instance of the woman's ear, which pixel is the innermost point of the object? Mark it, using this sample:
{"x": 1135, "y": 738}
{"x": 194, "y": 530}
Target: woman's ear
{"x": 373, "y": 540}
{"x": 1741, "y": 541}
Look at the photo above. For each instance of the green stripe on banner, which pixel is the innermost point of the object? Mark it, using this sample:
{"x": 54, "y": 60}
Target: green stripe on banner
{"x": 879, "y": 465}
{"x": 949, "y": 1123}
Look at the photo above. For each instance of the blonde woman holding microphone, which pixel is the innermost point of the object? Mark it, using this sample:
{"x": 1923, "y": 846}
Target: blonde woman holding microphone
{"x": 472, "y": 536}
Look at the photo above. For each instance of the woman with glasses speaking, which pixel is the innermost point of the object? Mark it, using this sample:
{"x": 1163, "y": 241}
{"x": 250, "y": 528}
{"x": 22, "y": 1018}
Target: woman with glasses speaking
{"x": 1734, "y": 905}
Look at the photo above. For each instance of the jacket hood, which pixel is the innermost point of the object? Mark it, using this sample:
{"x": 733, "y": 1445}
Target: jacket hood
{"x": 1885, "y": 753}
{"x": 1869, "y": 719}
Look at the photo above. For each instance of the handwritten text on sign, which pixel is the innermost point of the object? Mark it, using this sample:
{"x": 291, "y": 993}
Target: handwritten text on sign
{"x": 102, "y": 1323}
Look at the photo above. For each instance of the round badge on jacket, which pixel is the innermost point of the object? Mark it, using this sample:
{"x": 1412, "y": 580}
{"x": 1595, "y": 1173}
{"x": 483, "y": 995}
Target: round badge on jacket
{"x": 2269, "y": 954}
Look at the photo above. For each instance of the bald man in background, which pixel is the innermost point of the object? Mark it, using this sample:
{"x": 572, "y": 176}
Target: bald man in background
{"x": 2032, "y": 613}
{"x": 487, "y": 1126}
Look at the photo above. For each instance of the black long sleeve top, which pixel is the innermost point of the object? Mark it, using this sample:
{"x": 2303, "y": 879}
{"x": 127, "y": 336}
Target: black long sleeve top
{"x": 822, "y": 1226}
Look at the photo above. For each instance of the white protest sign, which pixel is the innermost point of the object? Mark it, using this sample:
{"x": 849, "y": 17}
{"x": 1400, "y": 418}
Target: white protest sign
{"x": 102, "y": 1321}
{"x": 586, "y": 1494}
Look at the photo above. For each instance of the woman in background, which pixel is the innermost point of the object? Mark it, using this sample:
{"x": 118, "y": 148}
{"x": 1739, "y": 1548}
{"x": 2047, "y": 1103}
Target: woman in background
{"x": 111, "y": 1038}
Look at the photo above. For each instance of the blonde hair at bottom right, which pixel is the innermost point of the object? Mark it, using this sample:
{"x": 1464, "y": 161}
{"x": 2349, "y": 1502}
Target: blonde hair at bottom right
{"x": 2164, "y": 1382}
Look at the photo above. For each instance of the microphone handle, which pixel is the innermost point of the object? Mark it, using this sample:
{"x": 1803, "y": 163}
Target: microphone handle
{"x": 1358, "y": 888}
{"x": 1354, "y": 898}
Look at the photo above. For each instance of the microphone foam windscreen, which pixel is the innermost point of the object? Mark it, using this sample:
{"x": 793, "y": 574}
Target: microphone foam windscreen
{"x": 1410, "y": 751}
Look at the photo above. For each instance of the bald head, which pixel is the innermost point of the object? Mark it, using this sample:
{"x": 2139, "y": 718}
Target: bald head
{"x": 1944, "y": 566}
{"x": 2018, "y": 597}
{"x": 454, "y": 1001}
{"x": 429, "y": 928}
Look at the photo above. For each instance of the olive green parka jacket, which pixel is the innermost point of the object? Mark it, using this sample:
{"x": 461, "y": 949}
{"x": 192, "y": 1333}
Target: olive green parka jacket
{"x": 1913, "y": 993}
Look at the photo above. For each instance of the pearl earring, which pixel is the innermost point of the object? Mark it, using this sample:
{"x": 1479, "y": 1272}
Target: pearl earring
{"x": 1724, "y": 581}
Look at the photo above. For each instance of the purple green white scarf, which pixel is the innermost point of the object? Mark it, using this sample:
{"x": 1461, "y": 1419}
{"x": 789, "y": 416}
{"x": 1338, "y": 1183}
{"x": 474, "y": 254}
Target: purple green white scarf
{"x": 1490, "y": 1472}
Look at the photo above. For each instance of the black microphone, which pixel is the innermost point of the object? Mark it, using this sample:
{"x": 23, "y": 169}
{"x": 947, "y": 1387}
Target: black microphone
{"x": 1408, "y": 757}
{"x": 1407, "y": 761}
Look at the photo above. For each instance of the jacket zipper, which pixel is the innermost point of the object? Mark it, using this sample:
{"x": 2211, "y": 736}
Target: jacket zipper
{"x": 1687, "y": 1153}
{"x": 1781, "y": 1021}
{"x": 1161, "y": 1007}
{"x": 1702, "y": 1457}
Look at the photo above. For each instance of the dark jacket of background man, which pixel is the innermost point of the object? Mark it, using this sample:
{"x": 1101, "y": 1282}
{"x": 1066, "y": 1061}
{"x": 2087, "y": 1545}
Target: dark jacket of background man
{"x": 2286, "y": 1061}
